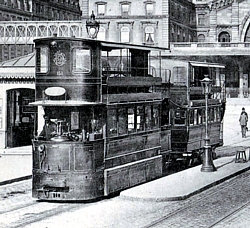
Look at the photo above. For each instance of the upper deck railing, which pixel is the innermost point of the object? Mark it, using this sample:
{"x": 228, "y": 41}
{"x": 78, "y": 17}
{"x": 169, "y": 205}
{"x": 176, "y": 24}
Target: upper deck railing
{"x": 216, "y": 48}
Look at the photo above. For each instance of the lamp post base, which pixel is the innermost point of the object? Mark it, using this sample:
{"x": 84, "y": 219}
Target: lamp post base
{"x": 207, "y": 164}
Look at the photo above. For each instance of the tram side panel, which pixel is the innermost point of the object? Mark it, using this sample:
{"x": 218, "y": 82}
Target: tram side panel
{"x": 67, "y": 171}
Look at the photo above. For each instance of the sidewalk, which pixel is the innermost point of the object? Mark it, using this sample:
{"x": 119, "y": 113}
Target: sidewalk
{"x": 181, "y": 185}
{"x": 15, "y": 164}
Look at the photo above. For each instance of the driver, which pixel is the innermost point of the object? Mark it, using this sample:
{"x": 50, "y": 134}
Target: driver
{"x": 49, "y": 128}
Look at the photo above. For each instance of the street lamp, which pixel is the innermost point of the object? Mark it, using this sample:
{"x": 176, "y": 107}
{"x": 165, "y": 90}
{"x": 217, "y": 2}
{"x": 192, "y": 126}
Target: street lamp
{"x": 207, "y": 161}
{"x": 92, "y": 26}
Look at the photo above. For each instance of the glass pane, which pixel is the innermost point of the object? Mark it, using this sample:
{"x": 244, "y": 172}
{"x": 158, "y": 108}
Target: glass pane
{"x": 101, "y": 9}
{"x": 125, "y": 8}
{"x": 131, "y": 120}
{"x": 112, "y": 123}
{"x": 82, "y": 60}
{"x": 125, "y": 34}
{"x": 148, "y": 117}
{"x": 150, "y": 8}
{"x": 155, "y": 116}
{"x": 140, "y": 118}
{"x": 43, "y": 60}
{"x": 122, "y": 121}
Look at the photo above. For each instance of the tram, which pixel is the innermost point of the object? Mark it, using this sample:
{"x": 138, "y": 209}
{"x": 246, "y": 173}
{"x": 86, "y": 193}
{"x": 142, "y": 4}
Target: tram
{"x": 117, "y": 116}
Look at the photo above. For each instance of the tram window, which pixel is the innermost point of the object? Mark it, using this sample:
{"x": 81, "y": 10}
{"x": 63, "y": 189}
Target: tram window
{"x": 81, "y": 60}
{"x": 131, "y": 120}
{"x": 122, "y": 121}
{"x": 199, "y": 116}
{"x": 179, "y": 75}
{"x": 112, "y": 122}
{"x": 155, "y": 119}
{"x": 42, "y": 59}
{"x": 191, "y": 117}
{"x": 195, "y": 117}
{"x": 148, "y": 117}
{"x": 203, "y": 116}
{"x": 180, "y": 117}
{"x": 211, "y": 116}
{"x": 140, "y": 118}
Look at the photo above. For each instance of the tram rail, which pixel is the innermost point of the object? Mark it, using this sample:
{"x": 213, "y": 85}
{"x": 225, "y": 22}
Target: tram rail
{"x": 227, "y": 186}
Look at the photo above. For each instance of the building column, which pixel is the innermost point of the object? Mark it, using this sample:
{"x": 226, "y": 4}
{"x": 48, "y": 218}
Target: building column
{"x": 235, "y": 22}
{"x": 213, "y": 25}
{"x": 241, "y": 82}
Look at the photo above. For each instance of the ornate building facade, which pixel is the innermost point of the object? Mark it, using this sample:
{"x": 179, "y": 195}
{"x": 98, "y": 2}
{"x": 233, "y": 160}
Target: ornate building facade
{"x": 147, "y": 22}
{"x": 27, "y": 10}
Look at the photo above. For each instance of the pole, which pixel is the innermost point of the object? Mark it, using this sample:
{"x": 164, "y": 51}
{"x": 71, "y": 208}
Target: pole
{"x": 207, "y": 163}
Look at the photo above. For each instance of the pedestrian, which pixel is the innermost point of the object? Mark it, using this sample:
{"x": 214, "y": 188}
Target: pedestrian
{"x": 49, "y": 128}
{"x": 243, "y": 122}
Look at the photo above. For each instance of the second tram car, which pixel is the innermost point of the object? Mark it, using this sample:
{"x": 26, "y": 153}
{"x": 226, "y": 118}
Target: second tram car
{"x": 115, "y": 116}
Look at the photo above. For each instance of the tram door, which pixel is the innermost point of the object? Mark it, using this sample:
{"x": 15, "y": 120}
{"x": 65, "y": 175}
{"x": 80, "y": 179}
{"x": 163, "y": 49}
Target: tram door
{"x": 20, "y": 117}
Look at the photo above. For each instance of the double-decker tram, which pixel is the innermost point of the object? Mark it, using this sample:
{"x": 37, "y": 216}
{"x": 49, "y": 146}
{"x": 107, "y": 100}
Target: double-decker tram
{"x": 187, "y": 108}
{"x": 115, "y": 116}
{"x": 101, "y": 99}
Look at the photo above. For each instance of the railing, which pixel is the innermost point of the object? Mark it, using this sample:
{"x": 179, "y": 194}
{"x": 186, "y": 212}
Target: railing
{"x": 208, "y": 45}
{"x": 24, "y": 32}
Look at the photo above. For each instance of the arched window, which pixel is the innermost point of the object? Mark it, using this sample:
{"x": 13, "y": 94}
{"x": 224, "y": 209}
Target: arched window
{"x": 125, "y": 34}
{"x": 224, "y": 37}
{"x": 149, "y": 35}
{"x": 201, "y": 38}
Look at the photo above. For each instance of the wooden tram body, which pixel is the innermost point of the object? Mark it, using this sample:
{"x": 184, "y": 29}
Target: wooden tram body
{"x": 109, "y": 135}
{"x": 187, "y": 107}
{"x": 119, "y": 118}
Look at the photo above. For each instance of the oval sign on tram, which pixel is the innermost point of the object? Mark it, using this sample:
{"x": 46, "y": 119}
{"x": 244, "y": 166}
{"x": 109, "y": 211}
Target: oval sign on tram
{"x": 55, "y": 91}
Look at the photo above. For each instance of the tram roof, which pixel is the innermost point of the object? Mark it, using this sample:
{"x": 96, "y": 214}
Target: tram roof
{"x": 206, "y": 64}
{"x": 108, "y": 45}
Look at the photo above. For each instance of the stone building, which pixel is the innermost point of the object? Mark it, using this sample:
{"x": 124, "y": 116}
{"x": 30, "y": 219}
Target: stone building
{"x": 34, "y": 10}
{"x": 147, "y": 22}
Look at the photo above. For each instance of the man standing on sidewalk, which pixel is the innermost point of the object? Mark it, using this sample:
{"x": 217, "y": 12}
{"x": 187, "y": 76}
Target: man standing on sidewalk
{"x": 243, "y": 122}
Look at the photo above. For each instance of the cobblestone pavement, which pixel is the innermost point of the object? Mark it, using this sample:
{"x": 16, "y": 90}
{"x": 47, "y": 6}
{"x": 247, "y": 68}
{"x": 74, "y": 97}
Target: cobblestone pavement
{"x": 201, "y": 210}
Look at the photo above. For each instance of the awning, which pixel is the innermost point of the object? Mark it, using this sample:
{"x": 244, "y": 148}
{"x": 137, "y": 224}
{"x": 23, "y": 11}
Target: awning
{"x": 17, "y": 76}
{"x": 205, "y": 64}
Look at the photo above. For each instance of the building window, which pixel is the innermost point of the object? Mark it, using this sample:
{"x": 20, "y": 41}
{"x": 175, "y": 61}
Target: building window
{"x": 224, "y": 37}
{"x": 101, "y": 8}
{"x": 201, "y": 19}
{"x": 201, "y": 38}
{"x": 125, "y": 8}
{"x": 149, "y": 35}
{"x": 125, "y": 35}
{"x": 149, "y": 8}
{"x": 101, "y": 34}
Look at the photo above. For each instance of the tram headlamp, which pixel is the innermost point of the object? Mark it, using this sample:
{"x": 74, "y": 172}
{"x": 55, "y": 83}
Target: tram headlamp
{"x": 41, "y": 148}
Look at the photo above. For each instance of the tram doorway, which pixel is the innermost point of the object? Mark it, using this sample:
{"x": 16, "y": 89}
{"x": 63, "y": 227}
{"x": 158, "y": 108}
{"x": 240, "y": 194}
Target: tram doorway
{"x": 20, "y": 117}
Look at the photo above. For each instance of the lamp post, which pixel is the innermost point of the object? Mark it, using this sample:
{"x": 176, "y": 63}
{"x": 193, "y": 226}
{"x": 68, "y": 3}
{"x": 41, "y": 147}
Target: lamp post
{"x": 207, "y": 161}
{"x": 92, "y": 26}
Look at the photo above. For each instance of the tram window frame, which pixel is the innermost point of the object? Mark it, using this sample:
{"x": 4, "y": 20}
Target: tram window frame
{"x": 122, "y": 121}
{"x": 112, "y": 122}
{"x": 155, "y": 116}
{"x": 195, "y": 117}
{"x": 140, "y": 118}
{"x": 131, "y": 120}
{"x": 182, "y": 117}
{"x": 42, "y": 59}
{"x": 78, "y": 68}
{"x": 148, "y": 117}
{"x": 191, "y": 117}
